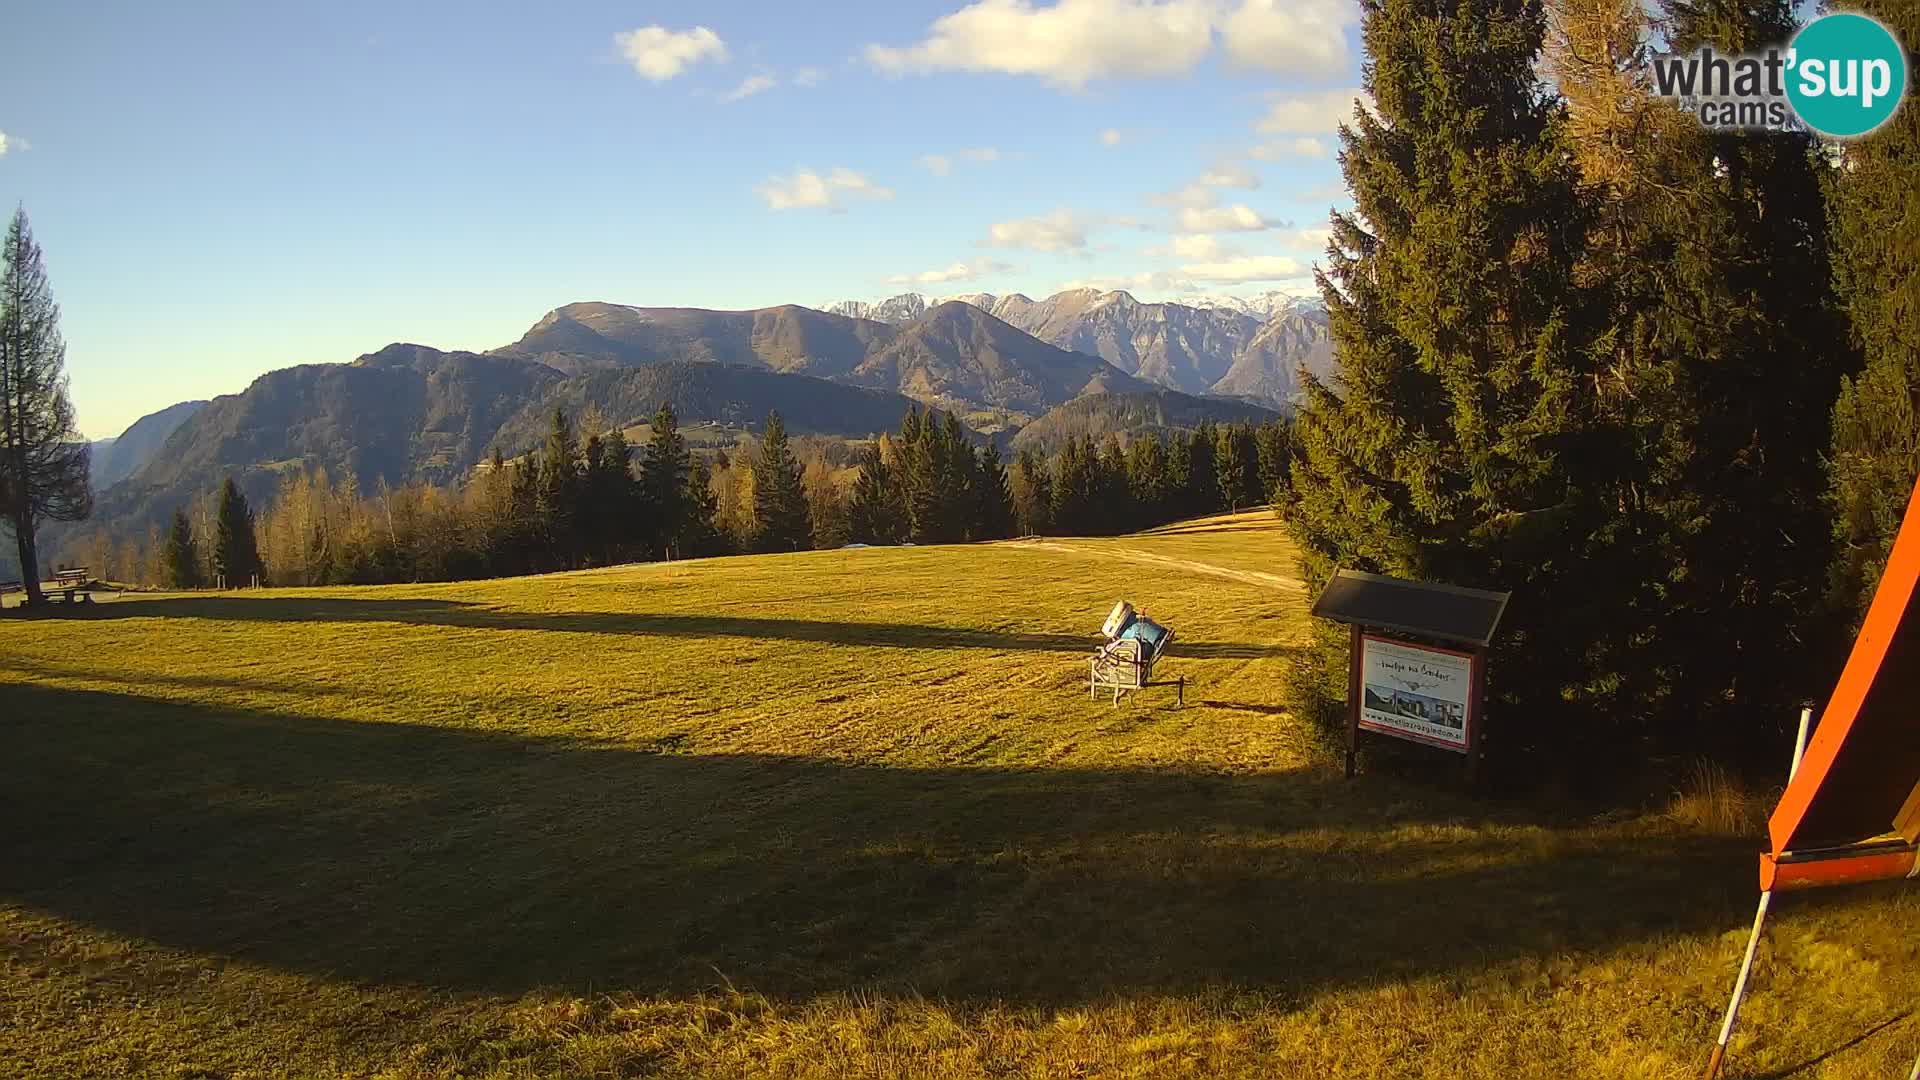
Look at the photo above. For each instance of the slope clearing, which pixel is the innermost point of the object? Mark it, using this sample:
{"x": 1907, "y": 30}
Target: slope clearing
{"x": 843, "y": 813}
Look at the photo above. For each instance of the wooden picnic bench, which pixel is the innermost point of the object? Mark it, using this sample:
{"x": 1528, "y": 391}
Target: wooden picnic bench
{"x": 71, "y": 582}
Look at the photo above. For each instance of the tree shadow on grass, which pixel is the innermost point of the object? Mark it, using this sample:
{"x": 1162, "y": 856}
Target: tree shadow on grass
{"x": 400, "y": 854}
{"x": 455, "y": 613}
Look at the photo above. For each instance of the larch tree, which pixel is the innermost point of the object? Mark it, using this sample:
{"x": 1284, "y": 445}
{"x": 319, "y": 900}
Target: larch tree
{"x": 1717, "y": 357}
{"x": 43, "y": 458}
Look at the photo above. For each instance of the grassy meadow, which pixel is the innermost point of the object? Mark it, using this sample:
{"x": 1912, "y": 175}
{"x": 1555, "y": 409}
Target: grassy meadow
{"x": 831, "y": 814}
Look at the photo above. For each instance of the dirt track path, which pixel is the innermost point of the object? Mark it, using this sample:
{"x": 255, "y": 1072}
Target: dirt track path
{"x": 1148, "y": 558}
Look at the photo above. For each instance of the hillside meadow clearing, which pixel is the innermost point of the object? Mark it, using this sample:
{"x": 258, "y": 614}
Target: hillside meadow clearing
{"x": 844, "y": 813}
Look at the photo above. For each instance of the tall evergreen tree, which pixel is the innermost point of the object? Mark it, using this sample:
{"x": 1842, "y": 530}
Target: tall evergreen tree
{"x": 1147, "y": 477}
{"x": 922, "y": 472}
{"x": 1201, "y": 492}
{"x": 876, "y": 514}
{"x": 1237, "y": 464}
{"x": 993, "y": 497}
{"x": 664, "y": 476}
{"x": 1274, "y": 448}
{"x": 1032, "y": 493}
{"x": 1447, "y": 446}
{"x": 557, "y": 493}
{"x": 236, "y": 552}
{"x": 609, "y": 513}
{"x": 43, "y": 458}
{"x": 779, "y": 502}
{"x": 1875, "y": 213}
{"x": 1074, "y": 483}
{"x": 1717, "y": 362}
{"x": 182, "y": 561}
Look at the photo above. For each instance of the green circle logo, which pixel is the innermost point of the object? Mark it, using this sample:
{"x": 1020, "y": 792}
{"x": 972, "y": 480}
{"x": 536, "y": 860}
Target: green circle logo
{"x": 1846, "y": 75}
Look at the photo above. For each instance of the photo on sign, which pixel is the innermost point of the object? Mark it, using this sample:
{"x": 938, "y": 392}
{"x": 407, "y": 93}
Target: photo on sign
{"x": 1416, "y": 692}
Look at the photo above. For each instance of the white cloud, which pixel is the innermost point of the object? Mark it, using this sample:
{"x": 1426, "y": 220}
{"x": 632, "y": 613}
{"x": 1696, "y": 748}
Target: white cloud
{"x": 1067, "y": 44}
{"x": 960, "y": 271}
{"x": 1193, "y": 195}
{"x": 808, "y": 76}
{"x": 1058, "y": 231}
{"x": 1239, "y": 271}
{"x": 1290, "y": 37}
{"x": 1154, "y": 280}
{"x": 1229, "y": 174}
{"x": 659, "y": 54}
{"x": 1236, "y": 218}
{"x": 942, "y": 164}
{"x": 807, "y": 189}
{"x": 1070, "y": 43}
{"x": 4, "y": 144}
{"x": 1197, "y": 246}
{"x": 1310, "y": 114}
{"x": 1200, "y": 193}
{"x": 751, "y": 85}
{"x": 1305, "y": 146}
{"x": 1111, "y": 137}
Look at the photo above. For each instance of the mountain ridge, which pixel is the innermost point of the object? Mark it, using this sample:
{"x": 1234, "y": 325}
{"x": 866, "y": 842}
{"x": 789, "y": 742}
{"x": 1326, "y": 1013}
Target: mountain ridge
{"x": 1229, "y": 346}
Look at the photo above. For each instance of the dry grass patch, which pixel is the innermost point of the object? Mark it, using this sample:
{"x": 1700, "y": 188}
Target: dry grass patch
{"x": 825, "y": 815}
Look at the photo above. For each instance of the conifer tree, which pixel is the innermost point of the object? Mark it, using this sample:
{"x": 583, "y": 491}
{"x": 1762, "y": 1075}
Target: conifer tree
{"x": 1274, "y": 448}
{"x": 664, "y": 476}
{"x": 182, "y": 563}
{"x": 1446, "y": 447}
{"x": 1179, "y": 476}
{"x": 1201, "y": 493}
{"x": 1237, "y": 464}
{"x": 43, "y": 459}
{"x": 1147, "y": 477}
{"x": 1720, "y": 356}
{"x": 699, "y": 533}
{"x": 922, "y": 470}
{"x": 993, "y": 516}
{"x": 779, "y": 502}
{"x": 1074, "y": 480}
{"x": 557, "y": 493}
{"x": 958, "y": 476}
{"x": 1032, "y": 484}
{"x": 1876, "y": 261}
{"x": 875, "y": 513}
{"x": 236, "y": 554}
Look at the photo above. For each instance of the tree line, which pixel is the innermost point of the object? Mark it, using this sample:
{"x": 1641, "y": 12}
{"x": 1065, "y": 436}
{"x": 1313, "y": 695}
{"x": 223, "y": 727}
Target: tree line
{"x": 597, "y": 501}
{"x": 1656, "y": 379}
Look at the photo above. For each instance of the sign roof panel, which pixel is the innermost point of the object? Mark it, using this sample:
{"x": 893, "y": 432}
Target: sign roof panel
{"x": 1446, "y": 612}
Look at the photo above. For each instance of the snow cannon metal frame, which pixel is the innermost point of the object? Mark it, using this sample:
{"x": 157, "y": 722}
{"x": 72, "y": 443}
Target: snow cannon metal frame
{"x": 1135, "y": 643}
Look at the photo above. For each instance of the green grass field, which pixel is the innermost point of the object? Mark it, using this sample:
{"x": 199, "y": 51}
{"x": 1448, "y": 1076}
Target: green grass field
{"x": 842, "y": 813}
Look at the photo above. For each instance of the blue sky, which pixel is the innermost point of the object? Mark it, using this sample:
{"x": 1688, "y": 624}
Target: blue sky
{"x": 225, "y": 189}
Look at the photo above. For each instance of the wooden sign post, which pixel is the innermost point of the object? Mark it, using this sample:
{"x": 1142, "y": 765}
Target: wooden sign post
{"x": 1417, "y": 665}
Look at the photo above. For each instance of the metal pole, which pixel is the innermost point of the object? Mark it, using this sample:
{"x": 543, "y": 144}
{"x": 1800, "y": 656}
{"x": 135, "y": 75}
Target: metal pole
{"x": 1759, "y": 921}
{"x": 1800, "y": 741}
{"x": 1739, "y": 989}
